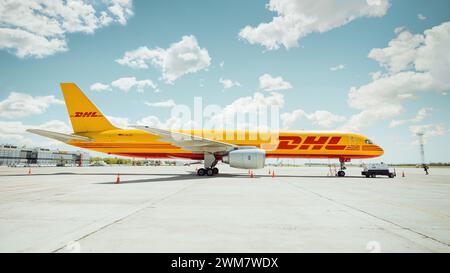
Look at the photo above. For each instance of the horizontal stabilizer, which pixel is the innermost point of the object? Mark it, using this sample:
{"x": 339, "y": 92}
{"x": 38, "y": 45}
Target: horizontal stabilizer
{"x": 59, "y": 136}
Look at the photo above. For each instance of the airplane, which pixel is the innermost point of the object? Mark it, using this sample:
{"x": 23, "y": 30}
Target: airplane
{"x": 93, "y": 131}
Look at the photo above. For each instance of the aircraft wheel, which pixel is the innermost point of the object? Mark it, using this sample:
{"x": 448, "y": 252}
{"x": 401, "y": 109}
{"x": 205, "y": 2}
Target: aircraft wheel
{"x": 201, "y": 172}
{"x": 341, "y": 173}
{"x": 215, "y": 170}
{"x": 209, "y": 172}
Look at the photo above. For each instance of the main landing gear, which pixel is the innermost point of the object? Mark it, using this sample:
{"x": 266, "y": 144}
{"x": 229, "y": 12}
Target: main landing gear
{"x": 210, "y": 163}
{"x": 207, "y": 171}
{"x": 341, "y": 172}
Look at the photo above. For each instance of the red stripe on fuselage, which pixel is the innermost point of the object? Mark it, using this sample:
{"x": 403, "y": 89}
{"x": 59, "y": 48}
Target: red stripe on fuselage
{"x": 200, "y": 156}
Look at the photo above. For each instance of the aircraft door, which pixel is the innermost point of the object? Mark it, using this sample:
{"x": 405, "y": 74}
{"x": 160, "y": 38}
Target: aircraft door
{"x": 352, "y": 141}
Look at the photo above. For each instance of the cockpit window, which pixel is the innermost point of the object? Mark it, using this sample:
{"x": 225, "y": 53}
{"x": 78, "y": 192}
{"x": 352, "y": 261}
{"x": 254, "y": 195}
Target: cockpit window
{"x": 368, "y": 141}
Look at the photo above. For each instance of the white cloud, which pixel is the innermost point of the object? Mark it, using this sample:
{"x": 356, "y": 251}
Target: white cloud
{"x": 297, "y": 19}
{"x": 398, "y": 30}
{"x": 216, "y": 117}
{"x": 227, "y": 83}
{"x": 270, "y": 83}
{"x": 421, "y": 17}
{"x": 244, "y": 107}
{"x": 367, "y": 118}
{"x": 400, "y": 54}
{"x": 151, "y": 121}
{"x": 98, "y": 86}
{"x": 422, "y": 114}
{"x": 128, "y": 83}
{"x": 14, "y": 132}
{"x": 220, "y": 117}
{"x": 337, "y": 67}
{"x": 389, "y": 90}
{"x": 253, "y": 103}
{"x": 434, "y": 57}
{"x": 429, "y": 130}
{"x": 28, "y": 44}
{"x": 236, "y": 115}
{"x": 321, "y": 118}
{"x": 325, "y": 118}
{"x": 119, "y": 122}
{"x": 179, "y": 59}
{"x": 414, "y": 64}
{"x": 396, "y": 123}
{"x": 38, "y": 28}
{"x": 18, "y": 105}
{"x": 163, "y": 104}
{"x": 55, "y": 126}
{"x": 171, "y": 123}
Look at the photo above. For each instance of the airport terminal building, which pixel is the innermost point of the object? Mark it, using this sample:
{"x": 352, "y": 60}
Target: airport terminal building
{"x": 14, "y": 156}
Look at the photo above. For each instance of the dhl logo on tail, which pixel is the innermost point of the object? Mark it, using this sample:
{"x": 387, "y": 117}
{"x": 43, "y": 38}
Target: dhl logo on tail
{"x": 86, "y": 115}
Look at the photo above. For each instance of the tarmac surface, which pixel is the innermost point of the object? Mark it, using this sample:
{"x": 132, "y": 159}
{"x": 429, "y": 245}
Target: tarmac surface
{"x": 169, "y": 209}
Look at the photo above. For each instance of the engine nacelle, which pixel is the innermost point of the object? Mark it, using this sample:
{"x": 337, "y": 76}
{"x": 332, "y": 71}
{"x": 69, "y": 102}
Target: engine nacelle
{"x": 246, "y": 159}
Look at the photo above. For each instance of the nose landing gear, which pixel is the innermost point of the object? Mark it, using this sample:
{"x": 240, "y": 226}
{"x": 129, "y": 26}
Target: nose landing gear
{"x": 341, "y": 172}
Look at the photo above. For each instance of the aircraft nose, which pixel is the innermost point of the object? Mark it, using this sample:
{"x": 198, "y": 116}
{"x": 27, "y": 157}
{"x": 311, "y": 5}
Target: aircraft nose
{"x": 380, "y": 150}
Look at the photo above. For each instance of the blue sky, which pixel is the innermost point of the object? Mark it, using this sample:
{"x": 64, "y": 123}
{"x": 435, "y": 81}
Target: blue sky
{"x": 216, "y": 26}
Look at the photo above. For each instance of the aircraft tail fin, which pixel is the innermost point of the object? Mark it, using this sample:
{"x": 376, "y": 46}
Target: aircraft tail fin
{"x": 84, "y": 115}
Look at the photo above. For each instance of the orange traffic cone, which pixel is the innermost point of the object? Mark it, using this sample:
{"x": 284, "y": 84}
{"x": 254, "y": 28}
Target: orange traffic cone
{"x": 29, "y": 171}
{"x": 118, "y": 179}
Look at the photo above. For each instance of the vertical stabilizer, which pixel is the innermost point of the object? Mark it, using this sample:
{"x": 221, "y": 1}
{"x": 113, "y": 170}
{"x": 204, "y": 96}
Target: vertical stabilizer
{"x": 84, "y": 115}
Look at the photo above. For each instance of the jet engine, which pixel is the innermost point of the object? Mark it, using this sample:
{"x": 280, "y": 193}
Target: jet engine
{"x": 246, "y": 159}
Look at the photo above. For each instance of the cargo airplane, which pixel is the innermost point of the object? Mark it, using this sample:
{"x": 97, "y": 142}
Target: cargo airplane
{"x": 93, "y": 131}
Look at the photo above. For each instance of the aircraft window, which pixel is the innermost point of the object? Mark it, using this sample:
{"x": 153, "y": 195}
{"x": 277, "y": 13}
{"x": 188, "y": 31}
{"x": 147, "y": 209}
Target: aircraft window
{"x": 368, "y": 141}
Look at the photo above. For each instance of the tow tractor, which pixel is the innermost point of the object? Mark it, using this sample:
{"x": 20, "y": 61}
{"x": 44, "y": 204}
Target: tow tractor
{"x": 372, "y": 170}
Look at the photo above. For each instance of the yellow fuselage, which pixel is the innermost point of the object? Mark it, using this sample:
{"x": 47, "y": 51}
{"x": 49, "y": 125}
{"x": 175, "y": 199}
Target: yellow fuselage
{"x": 301, "y": 144}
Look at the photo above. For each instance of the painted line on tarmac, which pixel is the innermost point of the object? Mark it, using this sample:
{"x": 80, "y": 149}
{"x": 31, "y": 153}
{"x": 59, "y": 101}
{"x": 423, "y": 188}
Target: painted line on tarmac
{"x": 376, "y": 217}
{"x": 129, "y": 214}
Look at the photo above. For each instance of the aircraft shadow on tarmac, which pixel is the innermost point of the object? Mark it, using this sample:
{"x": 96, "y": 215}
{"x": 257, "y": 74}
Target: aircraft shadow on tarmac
{"x": 173, "y": 177}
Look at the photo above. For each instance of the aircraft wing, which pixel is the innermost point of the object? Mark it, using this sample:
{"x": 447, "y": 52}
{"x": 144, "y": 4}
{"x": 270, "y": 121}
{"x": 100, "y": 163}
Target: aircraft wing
{"x": 189, "y": 142}
{"x": 58, "y": 136}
